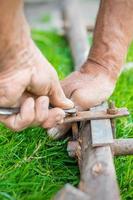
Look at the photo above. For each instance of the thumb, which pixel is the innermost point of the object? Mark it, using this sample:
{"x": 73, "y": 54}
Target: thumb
{"x": 58, "y": 98}
{"x": 61, "y": 130}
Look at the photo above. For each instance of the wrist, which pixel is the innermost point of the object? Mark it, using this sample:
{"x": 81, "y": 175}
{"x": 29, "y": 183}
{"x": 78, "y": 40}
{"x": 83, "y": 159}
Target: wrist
{"x": 13, "y": 25}
{"x": 15, "y": 34}
{"x": 94, "y": 67}
{"x": 112, "y": 36}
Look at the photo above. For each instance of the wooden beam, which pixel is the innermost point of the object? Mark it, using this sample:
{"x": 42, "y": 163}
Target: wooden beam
{"x": 98, "y": 177}
{"x": 122, "y": 147}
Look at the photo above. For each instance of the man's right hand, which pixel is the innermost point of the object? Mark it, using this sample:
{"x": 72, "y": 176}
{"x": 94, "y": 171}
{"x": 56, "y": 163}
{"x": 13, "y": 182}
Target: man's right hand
{"x": 32, "y": 84}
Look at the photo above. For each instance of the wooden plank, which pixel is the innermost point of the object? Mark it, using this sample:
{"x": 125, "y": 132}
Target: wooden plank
{"x": 70, "y": 193}
{"x": 98, "y": 177}
{"x": 101, "y": 129}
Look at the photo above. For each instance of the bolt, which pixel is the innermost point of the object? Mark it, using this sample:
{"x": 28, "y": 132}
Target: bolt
{"x": 74, "y": 149}
{"x": 112, "y": 110}
{"x": 75, "y": 130}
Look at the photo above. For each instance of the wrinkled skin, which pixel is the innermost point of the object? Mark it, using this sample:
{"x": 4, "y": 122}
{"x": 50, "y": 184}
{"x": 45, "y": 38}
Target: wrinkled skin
{"x": 86, "y": 89}
{"x": 95, "y": 81}
{"x": 27, "y": 79}
{"x": 40, "y": 81}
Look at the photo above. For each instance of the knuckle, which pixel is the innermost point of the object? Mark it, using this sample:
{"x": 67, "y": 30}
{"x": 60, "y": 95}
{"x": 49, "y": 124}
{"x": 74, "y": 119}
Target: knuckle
{"x": 47, "y": 125}
{"x": 42, "y": 116}
{"x": 26, "y": 121}
{"x": 60, "y": 113}
{"x": 11, "y": 125}
{"x": 45, "y": 98}
{"x": 29, "y": 120}
{"x": 22, "y": 125}
{"x": 42, "y": 119}
{"x": 16, "y": 128}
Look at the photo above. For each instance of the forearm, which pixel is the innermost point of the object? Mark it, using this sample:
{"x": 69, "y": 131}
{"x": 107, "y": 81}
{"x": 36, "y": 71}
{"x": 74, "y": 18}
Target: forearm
{"x": 113, "y": 33}
{"x": 14, "y": 30}
{"x": 10, "y": 12}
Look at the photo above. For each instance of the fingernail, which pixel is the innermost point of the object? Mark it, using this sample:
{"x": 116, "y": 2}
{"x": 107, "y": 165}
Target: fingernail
{"x": 43, "y": 105}
{"x": 31, "y": 102}
{"x": 61, "y": 121}
{"x": 58, "y": 118}
{"x": 68, "y": 104}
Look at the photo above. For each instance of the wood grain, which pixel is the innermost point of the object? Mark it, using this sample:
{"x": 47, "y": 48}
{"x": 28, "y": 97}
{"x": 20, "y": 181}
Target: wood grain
{"x": 122, "y": 147}
{"x": 98, "y": 177}
{"x": 101, "y": 130}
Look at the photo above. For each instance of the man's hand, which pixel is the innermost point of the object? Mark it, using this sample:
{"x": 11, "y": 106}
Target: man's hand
{"x": 111, "y": 38}
{"x": 86, "y": 88}
{"x": 32, "y": 83}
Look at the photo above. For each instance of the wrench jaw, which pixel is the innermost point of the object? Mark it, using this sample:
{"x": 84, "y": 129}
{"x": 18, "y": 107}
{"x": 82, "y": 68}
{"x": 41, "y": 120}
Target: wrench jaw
{"x": 9, "y": 111}
{"x": 71, "y": 111}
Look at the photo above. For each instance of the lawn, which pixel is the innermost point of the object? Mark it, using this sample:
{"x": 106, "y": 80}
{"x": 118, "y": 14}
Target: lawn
{"x": 33, "y": 167}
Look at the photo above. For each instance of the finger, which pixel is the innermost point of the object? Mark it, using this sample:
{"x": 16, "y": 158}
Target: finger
{"x": 71, "y": 83}
{"x": 41, "y": 109}
{"x": 85, "y": 102}
{"x": 23, "y": 119}
{"x": 58, "y": 98}
{"x": 49, "y": 86}
{"x": 56, "y": 116}
{"x": 58, "y": 131}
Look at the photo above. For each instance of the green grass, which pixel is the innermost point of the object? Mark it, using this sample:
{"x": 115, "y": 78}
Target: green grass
{"x": 130, "y": 53}
{"x": 34, "y": 167}
{"x": 123, "y": 96}
{"x": 56, "y": 49}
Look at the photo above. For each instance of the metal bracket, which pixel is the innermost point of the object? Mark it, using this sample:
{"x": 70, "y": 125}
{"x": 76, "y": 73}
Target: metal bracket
{"x": 97, "y": 115}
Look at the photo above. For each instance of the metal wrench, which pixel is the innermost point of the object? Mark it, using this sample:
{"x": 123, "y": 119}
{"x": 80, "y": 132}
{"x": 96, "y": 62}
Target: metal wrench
{"x": 11, "y": 111}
